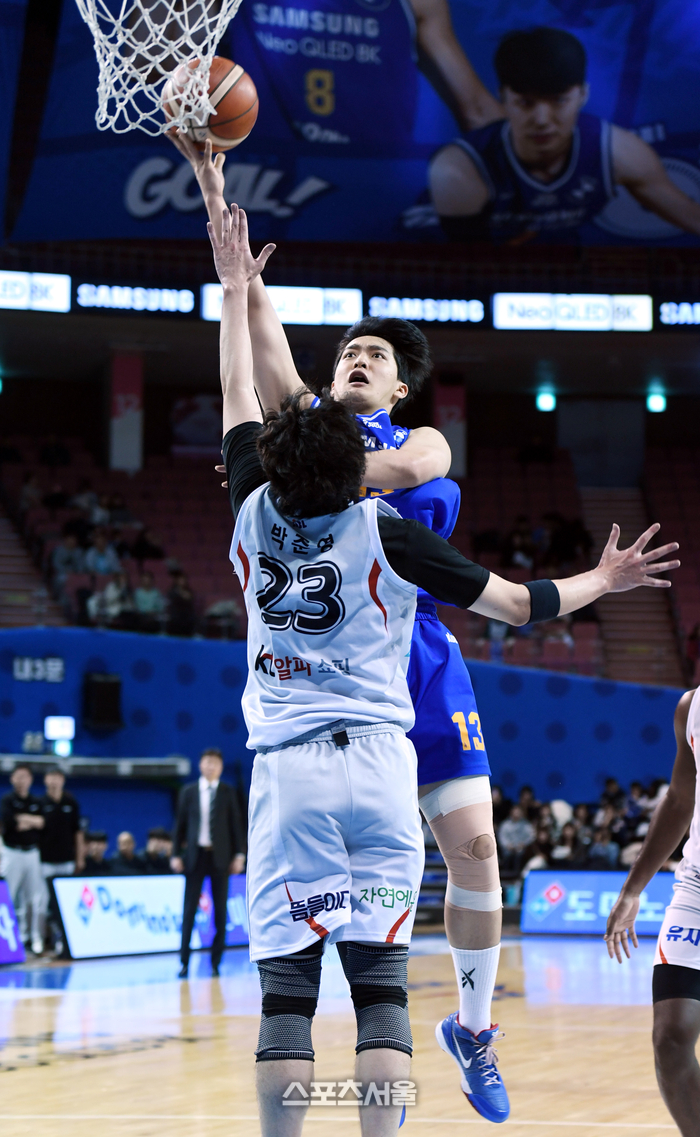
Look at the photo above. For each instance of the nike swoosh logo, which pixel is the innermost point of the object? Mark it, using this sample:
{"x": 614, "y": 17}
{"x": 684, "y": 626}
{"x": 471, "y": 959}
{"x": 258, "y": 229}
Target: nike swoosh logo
{"x": 466, "y": 1065}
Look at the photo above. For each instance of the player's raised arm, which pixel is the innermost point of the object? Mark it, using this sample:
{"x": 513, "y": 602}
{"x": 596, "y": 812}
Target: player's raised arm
{"x": 274, "y": 372}
{"x": 236, "y": 268}
{"x": 445, "y": 64}
{"x": 424, "y": 455}
{"x": 639, "y": 168}
{"x": 668, "y": 825}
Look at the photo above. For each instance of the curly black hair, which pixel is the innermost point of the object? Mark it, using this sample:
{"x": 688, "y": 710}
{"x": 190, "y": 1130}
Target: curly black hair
{"x": 314, "y": 457}
{"x": 411, "y": 349}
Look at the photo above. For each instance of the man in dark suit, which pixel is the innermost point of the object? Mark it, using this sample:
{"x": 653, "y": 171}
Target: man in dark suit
{"x": 209, "y": 841}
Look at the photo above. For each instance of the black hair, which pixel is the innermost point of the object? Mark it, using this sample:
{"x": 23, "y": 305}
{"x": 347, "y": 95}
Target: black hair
{"x": 159, "y": 833}
{"x": 97, "y": 835}
{"x": 213, "y": 750}
{"x": 543, "y": 61}
{"x": 411, "y": 349}
{"x": 22, "y": 766}
{"x": 53, "y": 770}
{"x": 314, "y": 457}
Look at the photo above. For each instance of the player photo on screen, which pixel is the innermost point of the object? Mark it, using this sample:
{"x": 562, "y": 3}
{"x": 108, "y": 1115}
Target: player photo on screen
{"x": 557, "y": 121}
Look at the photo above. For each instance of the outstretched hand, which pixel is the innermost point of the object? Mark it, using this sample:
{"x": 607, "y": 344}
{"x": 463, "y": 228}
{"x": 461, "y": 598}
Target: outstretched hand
{"x": 620, "y": 927}
{"x": 630, "y": 568}
{"x": 235, "y": 263}
{"x": 208, "y": 168}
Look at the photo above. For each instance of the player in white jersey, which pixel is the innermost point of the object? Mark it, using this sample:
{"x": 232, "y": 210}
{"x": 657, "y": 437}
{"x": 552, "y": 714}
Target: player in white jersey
{"x": 330, "y": 588}
{"x": 676, "y": 982}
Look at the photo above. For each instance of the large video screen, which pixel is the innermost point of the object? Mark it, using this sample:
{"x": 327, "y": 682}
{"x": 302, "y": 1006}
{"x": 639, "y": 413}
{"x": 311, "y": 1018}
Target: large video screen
{"x": 137, "y": 915}
{"x": 580, "y": 902}
{"x": 556, "y": 121}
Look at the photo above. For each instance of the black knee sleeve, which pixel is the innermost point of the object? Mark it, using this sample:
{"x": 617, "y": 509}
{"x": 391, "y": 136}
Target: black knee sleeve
{"x": 379, "y": 990}
{"x": 289, "y": 987}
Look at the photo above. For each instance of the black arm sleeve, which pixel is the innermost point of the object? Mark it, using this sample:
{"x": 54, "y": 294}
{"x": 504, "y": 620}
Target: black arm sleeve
{"x": 243, "y": 468}
{"x": 418, "y": 555}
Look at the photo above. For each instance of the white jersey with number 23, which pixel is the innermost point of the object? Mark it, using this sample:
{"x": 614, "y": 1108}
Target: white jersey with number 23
{"x": 329, "y": 621}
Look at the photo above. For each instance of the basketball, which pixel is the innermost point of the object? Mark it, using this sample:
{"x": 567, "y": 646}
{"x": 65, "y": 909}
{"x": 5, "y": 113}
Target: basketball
{"x": 232, "y": 92}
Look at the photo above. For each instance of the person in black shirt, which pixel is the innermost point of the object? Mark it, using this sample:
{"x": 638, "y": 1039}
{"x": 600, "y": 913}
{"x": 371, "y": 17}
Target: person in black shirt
{"x": 156, "y": 856}
{"x": 61, "y": 840}
{"x": 22, "y": 821}
{"x": 96, "y": 863}
{"x": 125, "y": 861}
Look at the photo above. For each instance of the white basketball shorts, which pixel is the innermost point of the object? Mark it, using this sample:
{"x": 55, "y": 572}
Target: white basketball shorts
{"x": 335, "y": 843}
{"x": 679, "y": 937}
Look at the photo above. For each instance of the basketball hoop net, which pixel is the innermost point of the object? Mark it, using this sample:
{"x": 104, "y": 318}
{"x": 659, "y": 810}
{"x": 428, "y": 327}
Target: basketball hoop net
{"x": 139, "y": 44}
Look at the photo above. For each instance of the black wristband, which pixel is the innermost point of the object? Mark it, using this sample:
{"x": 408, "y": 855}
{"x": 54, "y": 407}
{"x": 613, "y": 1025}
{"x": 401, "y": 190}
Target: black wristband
{"x": 545, "y": 600}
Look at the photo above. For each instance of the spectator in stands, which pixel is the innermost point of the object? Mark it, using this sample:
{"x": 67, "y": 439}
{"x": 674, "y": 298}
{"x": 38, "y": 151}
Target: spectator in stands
{"x": 30, "y": 494}
{"x": 514, "y": 835}
{"x": 114, "y": 605}
{"x": 568, "y": 850}
{"x": 84, "y": 497}
{"x": 100, "y": 513}
{"x": 655, "y": 794}
{"x": 603, "y": 853}
{"x": 613, "y": 794}
{"x": 96, "y": 862}
{"x": 149, "y": 604}
{"x": 101, "y": 557}
{"x": 528, "y": 803}
{"x": 557, "y": 631}
{"x": 156, "y": 856}
{"x": 518, "y": 547}
{"x": 584, "y": 829}
{"x": 147, "y": 547}
{"x": 634, "y": 808}
{"x": 181, "y": 613}
{"x": 126, "y": 862}
{"x": 118, "y": 511}
{"x": 536, "y": 854}
{"x": 546, "y": 820}
{"x": 501, "y": 805}
{"x": 54, "y": 453}
{"x": 66, "y": 558}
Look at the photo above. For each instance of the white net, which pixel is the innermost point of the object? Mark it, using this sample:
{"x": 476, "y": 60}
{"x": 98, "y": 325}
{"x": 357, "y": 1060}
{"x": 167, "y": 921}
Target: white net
{"x": 139, "y": 44}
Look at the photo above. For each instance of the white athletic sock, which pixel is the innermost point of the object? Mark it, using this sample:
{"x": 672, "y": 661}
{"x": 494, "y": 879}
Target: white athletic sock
{"x": 476, "y": 979}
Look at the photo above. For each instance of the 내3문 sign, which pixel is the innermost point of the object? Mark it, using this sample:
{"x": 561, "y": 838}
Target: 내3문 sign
{"x": 51, "y": 669}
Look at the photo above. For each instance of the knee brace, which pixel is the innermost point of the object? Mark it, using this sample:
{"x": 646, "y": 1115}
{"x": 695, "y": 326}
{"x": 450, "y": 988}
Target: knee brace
{"x": 289, "y": 987}
{"x": 460, "y": 815}
{"x": 379, "y": 990}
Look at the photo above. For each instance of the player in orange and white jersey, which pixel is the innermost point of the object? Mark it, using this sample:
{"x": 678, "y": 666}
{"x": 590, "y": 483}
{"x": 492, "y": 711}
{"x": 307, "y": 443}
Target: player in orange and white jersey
{"x": 676, "y": 983}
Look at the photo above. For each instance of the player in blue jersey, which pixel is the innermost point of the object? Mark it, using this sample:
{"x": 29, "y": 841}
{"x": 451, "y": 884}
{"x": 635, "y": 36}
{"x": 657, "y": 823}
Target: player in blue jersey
{"x": 539, "y": 167}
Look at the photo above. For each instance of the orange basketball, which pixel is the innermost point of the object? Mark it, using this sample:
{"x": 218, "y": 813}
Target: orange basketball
{"x": 232, "y": 92}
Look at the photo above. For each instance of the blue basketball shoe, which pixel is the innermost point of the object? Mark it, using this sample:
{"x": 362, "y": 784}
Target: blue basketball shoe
{"x": 476, "y": 1058}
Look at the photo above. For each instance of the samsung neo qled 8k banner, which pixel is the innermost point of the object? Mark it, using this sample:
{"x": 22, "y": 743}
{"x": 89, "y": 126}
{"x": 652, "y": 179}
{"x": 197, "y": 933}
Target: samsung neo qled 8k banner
{"x": 561, "y": 121}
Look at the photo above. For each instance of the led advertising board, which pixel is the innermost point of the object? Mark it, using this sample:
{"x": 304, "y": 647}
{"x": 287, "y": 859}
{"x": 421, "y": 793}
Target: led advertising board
{"x": 442, "y": 311}
{"x": 575, "y": 312}
{"x": 37, "y": 291}
{"x": 136, "y": 915}
{"x": 580, "y": 902}
{"x": 311, "y": 306}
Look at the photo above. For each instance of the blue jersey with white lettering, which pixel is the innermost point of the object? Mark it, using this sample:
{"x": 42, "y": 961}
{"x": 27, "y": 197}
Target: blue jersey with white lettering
{"x": 447, "y": 734}
{"x": 522, "y": 206}
{"x": 338, "y": 75}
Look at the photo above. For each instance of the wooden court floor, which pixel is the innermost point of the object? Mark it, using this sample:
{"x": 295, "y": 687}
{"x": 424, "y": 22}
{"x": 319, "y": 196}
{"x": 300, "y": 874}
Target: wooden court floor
{"x": 117, "y": 1048}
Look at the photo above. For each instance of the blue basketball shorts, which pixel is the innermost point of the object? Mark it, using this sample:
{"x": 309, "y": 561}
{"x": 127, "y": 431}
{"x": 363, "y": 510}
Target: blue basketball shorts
{"x": 447, "y": 735}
